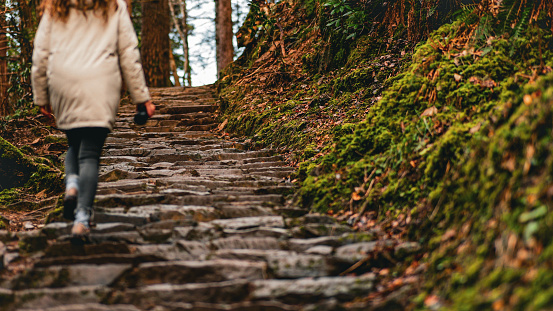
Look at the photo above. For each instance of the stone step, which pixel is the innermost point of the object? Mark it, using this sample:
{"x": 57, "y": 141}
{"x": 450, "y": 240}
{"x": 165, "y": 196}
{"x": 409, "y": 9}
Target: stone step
{"x": 187, "y": 109}
{"x": 299, "y": 291}
{"x": 66, "y": 276}
{"x": 249, "y": 222}
{"x": 240, "y": 306}
{"x": 86, "y": 307}
{"x": 284, "y": 264}
{"x": 178, "y": 128}
{"x": 309, "y": 290}
{"x": 150, "y": 296}
{"x": 182, "y": 272}
{"x": 100, "y": 259}
{"x": 55, "y": 298}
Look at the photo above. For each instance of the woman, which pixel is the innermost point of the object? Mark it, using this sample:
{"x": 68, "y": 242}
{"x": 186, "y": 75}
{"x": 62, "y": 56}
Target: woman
{"x": 82, "y": 50}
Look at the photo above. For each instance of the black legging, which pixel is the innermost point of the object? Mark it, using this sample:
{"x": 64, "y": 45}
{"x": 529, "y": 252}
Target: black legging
{"x": 82, "y": 159}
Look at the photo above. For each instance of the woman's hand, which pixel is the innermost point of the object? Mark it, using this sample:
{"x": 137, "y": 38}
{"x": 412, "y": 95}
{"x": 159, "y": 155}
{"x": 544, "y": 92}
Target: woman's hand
{"x": 47, "y": 111}
{"x": 150, "y": 108}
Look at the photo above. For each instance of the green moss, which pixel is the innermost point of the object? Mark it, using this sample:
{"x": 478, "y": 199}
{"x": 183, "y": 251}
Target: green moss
{"x": 15, "y": 167}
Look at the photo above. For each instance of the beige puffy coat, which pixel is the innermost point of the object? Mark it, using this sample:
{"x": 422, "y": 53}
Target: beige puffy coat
{"x": 78, "y": 64}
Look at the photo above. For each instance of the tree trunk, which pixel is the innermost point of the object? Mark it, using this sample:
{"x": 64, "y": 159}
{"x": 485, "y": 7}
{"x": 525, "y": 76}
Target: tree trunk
{"x": 27, "y": 29}
{"x": 183, "y": 33}
{"x": 187, "y": 68}
{"x": 223, "y": 34}
{"x": 156, "y": 23}
{"x": 4, "y": 84}
{"x": 174, "y": 68}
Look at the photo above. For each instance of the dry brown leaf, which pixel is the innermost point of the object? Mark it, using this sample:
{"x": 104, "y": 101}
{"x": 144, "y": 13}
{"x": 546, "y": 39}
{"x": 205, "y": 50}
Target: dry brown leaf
{"x": 222, "y": 125}
{"x": 457, "y": 77}
{"x": 428, "y": 112}
{"x": 527, "y": 99}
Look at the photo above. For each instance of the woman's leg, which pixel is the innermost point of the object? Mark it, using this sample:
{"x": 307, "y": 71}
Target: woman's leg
{"x": 71, "y": 175}
{"x": 72, "y": 156}
{"x": 92, "y": 141}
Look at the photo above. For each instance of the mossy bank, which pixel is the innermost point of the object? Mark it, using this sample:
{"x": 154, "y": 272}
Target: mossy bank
{"x": 453, "y": 135}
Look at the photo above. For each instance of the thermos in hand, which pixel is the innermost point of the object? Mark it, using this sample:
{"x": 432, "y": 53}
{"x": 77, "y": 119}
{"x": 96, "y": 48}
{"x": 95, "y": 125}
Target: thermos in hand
{"x": 141, "y": 115}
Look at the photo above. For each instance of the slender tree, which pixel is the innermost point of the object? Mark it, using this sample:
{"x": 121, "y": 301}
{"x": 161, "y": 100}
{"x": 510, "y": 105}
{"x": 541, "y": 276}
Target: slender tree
{"x": 174, "y": 69}
{"x": 4, "y": 85}
{"x": 182, "y": 30}
{"x": 156, "y": 24}
{"x": 223, "y": 34}
{"x": 27, "y": 28}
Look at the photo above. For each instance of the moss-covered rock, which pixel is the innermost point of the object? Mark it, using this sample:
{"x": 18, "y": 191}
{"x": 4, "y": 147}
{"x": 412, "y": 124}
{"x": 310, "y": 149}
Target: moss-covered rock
{"x": 15, "y": 167}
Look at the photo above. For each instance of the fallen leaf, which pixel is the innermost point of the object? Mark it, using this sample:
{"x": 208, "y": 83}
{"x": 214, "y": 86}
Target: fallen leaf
{"x": 431, "y": 301}
{"x": 527, "y": 99}
{"x": 457, "y": 77}
{"x": 222, "y": 125}
{"x": 428, "y": 112}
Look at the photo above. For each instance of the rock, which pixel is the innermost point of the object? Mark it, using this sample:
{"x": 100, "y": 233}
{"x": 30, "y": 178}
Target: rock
{"x": 320, "y": 250}
{"x": 246, "y": 243}
{"x": 312, "y": 290}
{"x": 292, "y": 265}
{"x": 239, "y": 306}
{"x": 55, "y": 297}
{"x": 301, "y": 245}
{"x": 183, "y": 272}
{"x": 5, "y": 236}
{"x": 279, "y": 233}
{"x": 56, "y": 229}
{"x": 100, "y": 259}
{"x": 152, "y": 295}
{"x": 88, "y": 307}
{"x": 406, "y": 248}
{"x": 2, "y": 253}
{"x": 115, "y": 200}
{"x": 250, "y": 222}
{"x": 113, "y": 227}
{"x": 137, "y": 220}
{"x": 32, "y": 241}
{"x": 312, "y": 230}
{"x": 352, "y": 253}
{"x": 74, "y": 275}
{"x": 251, "y": 254}
{"x": 28, "y": 225}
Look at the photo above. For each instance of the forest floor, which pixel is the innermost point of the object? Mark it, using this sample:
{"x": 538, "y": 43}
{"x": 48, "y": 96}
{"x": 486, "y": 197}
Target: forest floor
{"x": 26, "y": 208}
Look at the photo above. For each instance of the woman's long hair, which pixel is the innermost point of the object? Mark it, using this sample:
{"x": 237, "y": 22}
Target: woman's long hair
{"x": 59, "y": 9}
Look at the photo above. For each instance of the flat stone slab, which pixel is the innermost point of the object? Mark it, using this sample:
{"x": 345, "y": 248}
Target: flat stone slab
{"x": 250, "y": 222}
{"x": 312, "y": 290}
{"x": 237, "y": 242}
{"x": 65, "y": 276}
{"x": 301, "y": 245}
{"x": 88, "y": 307}
{"x": 183, "y": 272}
{"x": 240, "y": 306}
{"x": 114, "y": 200}
{"x": 55, "y": 297}
{"x": 153, "y": 295}
{"x": 355, "y": 252}
{"x": 2, "y": 253}
{"x": 100, "y": 259}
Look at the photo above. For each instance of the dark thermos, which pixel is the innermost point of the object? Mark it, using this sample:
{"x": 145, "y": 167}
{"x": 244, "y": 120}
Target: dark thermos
{"x": 141, "y": 115}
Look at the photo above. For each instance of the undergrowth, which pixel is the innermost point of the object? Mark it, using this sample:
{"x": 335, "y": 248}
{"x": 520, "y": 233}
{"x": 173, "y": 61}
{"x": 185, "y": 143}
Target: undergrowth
{"x": 455, "y": 134}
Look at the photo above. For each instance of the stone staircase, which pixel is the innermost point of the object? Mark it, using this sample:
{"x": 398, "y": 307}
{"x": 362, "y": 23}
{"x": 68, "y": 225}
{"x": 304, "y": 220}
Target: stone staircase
{"x": 188, "y": 221}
